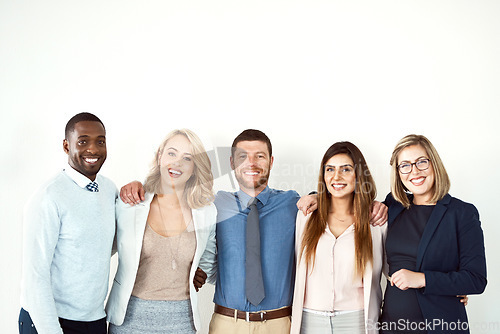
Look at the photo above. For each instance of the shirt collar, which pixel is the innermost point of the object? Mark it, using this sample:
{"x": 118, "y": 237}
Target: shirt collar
{"x": 263, "y": 197}
{"x": 80, "y": 179}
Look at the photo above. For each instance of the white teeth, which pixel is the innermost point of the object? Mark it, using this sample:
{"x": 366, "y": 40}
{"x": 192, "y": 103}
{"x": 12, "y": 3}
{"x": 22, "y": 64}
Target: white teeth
{"x": 251, "y": 173}
{"x": 174, "y": 172}
{"x": 338, "y": 186}
{"x": 91, "y": 160}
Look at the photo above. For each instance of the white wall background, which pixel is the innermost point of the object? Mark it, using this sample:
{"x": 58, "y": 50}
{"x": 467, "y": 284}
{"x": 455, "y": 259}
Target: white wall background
{"x": 308, "y": 73}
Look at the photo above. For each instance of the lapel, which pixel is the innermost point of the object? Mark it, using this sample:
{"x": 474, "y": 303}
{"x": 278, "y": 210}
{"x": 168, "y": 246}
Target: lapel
{"x": 432, "y": 224}
{"x": 198, "y": 221}
{"x": 141, "y": 217}
{"x": 367, "y": 287}
{"x": 394, "y": 211}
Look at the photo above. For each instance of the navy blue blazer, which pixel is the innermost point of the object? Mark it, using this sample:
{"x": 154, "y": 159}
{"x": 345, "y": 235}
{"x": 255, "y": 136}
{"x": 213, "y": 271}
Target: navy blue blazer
{"x": 451, "y": 255}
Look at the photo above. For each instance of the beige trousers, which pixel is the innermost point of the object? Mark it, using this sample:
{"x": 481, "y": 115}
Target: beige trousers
{"x": 222, "y": 324}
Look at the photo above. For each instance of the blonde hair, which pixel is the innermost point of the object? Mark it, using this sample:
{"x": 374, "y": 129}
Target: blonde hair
{"x": 441, "y": 180}
{"x": 198, "y": 190}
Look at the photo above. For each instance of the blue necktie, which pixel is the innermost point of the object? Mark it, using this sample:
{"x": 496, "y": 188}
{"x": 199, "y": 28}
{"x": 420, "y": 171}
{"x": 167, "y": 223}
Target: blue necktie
{"x": 254, "y": 284}
{"x": 93, "y": 186}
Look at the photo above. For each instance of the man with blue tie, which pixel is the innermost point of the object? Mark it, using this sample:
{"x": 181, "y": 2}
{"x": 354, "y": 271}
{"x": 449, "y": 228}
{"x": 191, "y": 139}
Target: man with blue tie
{"x": 69, "y": 227}
{"x": 255, "y": 245}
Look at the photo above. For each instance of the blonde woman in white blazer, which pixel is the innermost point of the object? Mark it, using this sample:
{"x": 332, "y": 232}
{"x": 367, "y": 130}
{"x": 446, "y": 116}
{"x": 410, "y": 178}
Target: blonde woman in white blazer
{"x": 339, "y": 255}
{"x": 163, "y": 240}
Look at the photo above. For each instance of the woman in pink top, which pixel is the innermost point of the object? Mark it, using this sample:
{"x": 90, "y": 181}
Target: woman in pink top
{"x": 339, "y": 254}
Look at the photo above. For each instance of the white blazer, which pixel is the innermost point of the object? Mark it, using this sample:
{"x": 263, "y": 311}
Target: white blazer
{"x": 131, "y": 223}
{"x": 371, "y": 279}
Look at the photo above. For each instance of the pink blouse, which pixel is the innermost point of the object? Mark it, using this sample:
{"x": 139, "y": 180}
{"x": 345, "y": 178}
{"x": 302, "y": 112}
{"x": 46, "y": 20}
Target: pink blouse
{"x": 332, "y": 285}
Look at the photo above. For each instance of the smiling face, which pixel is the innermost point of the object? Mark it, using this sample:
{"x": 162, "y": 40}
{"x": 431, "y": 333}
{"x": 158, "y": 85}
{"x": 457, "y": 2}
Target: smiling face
{"x": 252, "y": 164}
{"x": 176, "y": 162}
{"x": 339, "y": 176}
{"x": 86, "y": 148}
{"x": 419, "y": 182}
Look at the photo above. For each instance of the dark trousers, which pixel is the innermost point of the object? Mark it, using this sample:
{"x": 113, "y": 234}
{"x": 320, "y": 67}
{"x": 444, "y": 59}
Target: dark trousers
{"x": 68, "y": 326}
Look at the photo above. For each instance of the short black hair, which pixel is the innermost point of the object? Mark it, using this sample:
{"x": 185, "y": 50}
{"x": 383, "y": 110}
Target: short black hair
{"x": 252, "y": 135}
{"x": 83, "y": 116}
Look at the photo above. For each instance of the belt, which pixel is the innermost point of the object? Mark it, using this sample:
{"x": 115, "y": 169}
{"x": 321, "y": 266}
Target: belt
{"x": 328, "y": 313}
{"x": 254, "y": 316}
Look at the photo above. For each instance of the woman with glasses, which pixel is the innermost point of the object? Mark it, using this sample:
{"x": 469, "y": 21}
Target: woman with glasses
{"x": 434, "y": 247}
{"x": 339, "y": 254}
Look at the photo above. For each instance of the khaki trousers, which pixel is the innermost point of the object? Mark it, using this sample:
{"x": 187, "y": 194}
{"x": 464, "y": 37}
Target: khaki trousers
{"x": 222, "y": 324}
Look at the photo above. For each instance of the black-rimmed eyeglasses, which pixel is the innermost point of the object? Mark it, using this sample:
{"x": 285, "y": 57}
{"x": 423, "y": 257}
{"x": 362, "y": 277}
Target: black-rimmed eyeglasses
{"x": 407, "y": 167}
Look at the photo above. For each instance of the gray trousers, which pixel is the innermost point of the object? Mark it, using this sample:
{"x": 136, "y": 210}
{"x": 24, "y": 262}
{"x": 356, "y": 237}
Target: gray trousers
{"x": 349, "y": 323}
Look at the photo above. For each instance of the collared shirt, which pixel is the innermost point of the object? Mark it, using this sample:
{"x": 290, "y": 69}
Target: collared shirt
{"x": 332, "y": 286}
{"x": 81, "y": 180}
{"x": 277, "y": 212}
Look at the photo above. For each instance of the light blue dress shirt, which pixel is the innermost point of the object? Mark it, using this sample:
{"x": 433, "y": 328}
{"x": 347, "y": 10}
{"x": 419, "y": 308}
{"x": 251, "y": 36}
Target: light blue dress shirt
{"x": 277, "y": 213}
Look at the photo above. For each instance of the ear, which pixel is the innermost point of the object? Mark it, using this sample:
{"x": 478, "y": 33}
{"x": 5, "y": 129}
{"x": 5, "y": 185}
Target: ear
{"x": 271, "y": 163}
{"x": 66, "y": 146}
{"x": 158, "y": 158}
{"x": 231, "y": 162}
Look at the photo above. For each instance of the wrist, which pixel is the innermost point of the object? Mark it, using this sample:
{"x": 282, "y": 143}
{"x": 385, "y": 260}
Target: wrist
{"x": 422, "y": 280}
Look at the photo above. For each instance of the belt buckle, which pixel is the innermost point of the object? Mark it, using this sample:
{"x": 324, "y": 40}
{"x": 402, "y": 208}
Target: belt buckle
{"x": 262, "y": 313}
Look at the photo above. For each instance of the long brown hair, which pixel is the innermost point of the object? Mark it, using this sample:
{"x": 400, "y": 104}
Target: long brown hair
{"x": 364, "y": 195}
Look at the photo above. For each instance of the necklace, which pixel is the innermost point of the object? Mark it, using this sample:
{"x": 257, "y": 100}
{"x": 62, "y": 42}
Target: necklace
{"x": 173, "y": 263}
{"x": 340, "y": 220}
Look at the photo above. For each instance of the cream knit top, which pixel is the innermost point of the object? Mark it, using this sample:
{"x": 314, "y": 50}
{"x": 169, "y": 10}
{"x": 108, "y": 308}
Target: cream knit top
{"x": 163, "y": 272}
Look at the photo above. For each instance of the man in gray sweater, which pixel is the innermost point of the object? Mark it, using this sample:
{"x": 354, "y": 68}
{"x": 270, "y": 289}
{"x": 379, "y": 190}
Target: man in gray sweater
{"x": 69, "y": 226}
